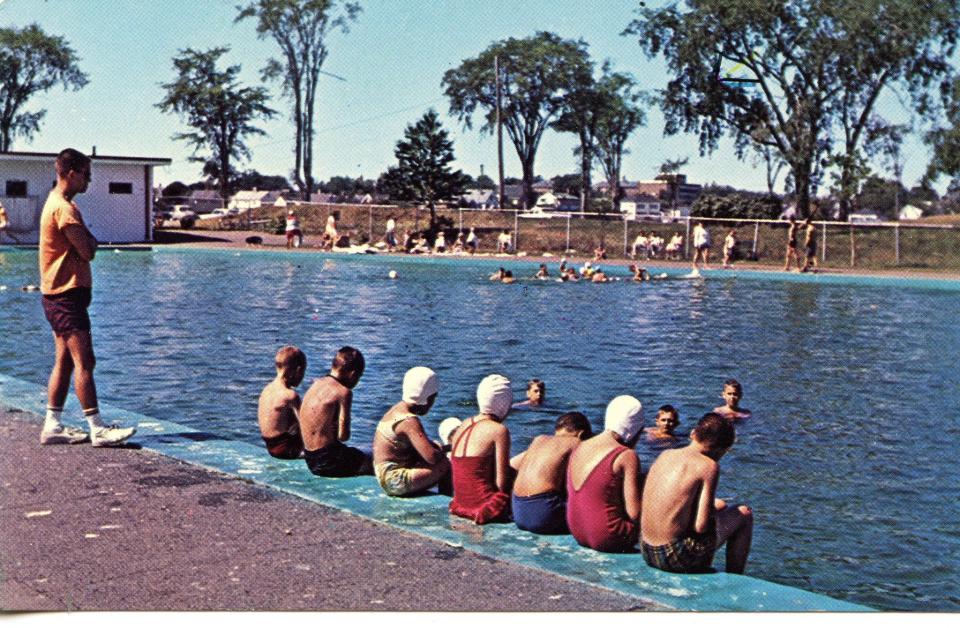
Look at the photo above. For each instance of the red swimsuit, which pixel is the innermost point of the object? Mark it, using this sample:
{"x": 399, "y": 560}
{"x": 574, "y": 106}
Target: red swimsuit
{"x": 475, "y": 492}
{"x": 595, "y": 513}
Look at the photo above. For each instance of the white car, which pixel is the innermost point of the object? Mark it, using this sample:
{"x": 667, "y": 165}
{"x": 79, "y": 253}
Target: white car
{"x": 186, "y": 216}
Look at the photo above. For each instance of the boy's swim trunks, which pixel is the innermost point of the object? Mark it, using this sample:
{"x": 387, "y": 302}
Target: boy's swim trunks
{"x": 393, "y": 477}
{"x": 335, "y": 461}
{"x": 692, "y": 554}
{"x": 67, "y": 311}
{"x": 543, "y": 513}
{"x": 286, "y": 446}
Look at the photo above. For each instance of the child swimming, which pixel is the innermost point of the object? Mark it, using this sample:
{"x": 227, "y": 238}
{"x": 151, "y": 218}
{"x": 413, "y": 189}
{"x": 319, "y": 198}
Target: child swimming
{"x": 279, "y": 404}
{"x": 666, "y": 422}
{"x": 539, "y": 495}
{"x": 732, "y": 394}
{"x": 536, "y": 393}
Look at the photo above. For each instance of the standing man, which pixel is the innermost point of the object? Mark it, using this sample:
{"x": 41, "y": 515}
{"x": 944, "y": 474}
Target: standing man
{"x": 66, "y": 248}
{"x": 292, "y": 230}
{"x": 810, "y": 245}
{"x": 792, "y": 254}
{"x": 390, "y": 237}
{"x": 701, "y": 246}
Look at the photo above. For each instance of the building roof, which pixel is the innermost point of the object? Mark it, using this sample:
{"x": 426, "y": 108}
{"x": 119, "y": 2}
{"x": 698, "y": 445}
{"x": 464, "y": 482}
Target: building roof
{"x": 33, "y": 156}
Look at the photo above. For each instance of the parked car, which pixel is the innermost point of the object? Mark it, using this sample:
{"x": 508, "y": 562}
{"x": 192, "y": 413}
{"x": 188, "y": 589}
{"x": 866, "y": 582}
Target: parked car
{"x": 187, "y": 217}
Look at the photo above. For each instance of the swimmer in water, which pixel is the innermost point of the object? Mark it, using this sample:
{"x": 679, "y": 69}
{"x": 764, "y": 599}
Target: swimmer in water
{"x": 599, "y": 276}
{"x": 666, "y": 422}
{"x": 639, "y": 274}
{"x": 536, "y": 393}
{"x": 571, "y": 274}
{"x": 499, "y": 275}
{"x": 542, "y": 273}
{"x": 507, "y": 277}
{"x": 277, "y": 410}
{"x": 732, "y": 394}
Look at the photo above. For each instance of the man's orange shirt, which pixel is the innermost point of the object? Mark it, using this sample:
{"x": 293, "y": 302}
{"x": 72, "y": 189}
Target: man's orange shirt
{"x": 61, "y": 268}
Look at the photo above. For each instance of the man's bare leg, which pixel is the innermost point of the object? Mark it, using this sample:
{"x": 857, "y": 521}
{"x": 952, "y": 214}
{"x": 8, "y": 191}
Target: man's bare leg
{"x": 80, "y": 345}
{"x": 59, "y": 383}
{"x": 735, "y": 528}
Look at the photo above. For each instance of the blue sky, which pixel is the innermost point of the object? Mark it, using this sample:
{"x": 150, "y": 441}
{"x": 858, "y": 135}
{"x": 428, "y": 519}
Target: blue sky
{"x": 393, "y": 59}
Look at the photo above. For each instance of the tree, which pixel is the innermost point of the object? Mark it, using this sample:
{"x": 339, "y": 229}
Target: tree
{"x": 300, "y": 28}
{"x": 737, "y": 205}
{"x": 220, "y": 111}
{"x": 817, "y": 67}
{"x": 621, "y": 116}
{"x": 536, "y": 76}
{"x": 484, "y": 182}
{"x": 423, "y": 173}
{"x": 567, "y": 183}
{"x": 31, "y": 62}
{"x": 581, "y": 115}
{"x": 881, "y": 196}
{"x": 253, "y": 180}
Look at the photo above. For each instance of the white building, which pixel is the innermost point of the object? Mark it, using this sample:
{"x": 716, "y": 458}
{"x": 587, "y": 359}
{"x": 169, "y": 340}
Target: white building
{"x": 118, "y": 205}
{"x": 910, "y": 212}
{"x": 254, "y": 199}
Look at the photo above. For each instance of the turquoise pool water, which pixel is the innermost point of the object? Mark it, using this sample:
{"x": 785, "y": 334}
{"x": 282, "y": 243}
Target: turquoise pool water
{"x": 853, "y": 387}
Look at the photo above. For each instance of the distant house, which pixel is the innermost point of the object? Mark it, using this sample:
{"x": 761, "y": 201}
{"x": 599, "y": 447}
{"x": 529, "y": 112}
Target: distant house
{"x": 640, "y": 206}
{"x": 547, "y": 200}
{"x": 205, "y": 201}
{"x": 863, "y": 217}
{"x": 323, "y": 197}
{"x": 910, "y": 212}
{"x": 479, "y": 199}
{"x": 117, "y": 206}
{"x": 255, "y": 199}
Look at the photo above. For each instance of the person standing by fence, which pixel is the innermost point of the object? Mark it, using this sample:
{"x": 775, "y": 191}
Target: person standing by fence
{"x": 701, "y": 245}
{"x": 292, "y": 230}
{"x": 792, "y": 244}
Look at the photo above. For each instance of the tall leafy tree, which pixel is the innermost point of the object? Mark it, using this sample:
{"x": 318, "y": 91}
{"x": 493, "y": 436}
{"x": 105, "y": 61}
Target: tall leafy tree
{"x": 944, "y": 139}
{"x": 621, "y": 115}
{"x": 301, "y": 29}
{"x": 423, "y": 173}
{"x": 31, "y": 62}
{"x": 220, "y": 111}
{"x": 817, "y": 68}
{"x": 582, "y": 115}
{"x": 537, "y": 74}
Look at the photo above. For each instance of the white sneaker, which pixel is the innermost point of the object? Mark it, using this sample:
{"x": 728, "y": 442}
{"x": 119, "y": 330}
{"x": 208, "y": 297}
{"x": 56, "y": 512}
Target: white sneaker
{"x": 111, "y": 435}
{"x": 63, "y": 435}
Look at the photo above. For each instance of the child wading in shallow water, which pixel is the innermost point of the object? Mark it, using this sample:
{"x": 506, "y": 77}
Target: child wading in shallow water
{"x": 405, "y": 460}
{"x": 480, "y": 456}
{"x": 683, "y": 523}
{"x": 603, "y": 482}
{"x": 665, "y": 423}
{"x": 732, "y": 394}
{"x": 536, "y": 393}
{"x": 539, "y": 492}
{"x": 279, "y": 405}
{"x": 325, "y": 420}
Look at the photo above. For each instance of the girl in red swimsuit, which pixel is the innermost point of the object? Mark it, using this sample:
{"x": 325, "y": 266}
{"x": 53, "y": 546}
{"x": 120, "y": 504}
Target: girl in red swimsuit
{"x": 603, "y": 482}
{"x": 480, "y": 457}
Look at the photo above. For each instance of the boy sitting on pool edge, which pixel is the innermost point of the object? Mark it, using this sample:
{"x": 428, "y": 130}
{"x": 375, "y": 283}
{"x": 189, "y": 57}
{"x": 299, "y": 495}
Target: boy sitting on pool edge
{"x": 539, "y": 491}
{"x": 325, "y": 420}
{"x": 683, "y": 523}
{"x": 279, "y": 404}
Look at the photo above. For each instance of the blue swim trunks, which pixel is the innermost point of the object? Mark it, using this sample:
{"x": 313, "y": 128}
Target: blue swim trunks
{"x": 543, "y": 513}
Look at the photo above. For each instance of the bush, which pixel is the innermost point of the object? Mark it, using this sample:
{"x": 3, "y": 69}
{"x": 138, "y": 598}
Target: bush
{"x": 737, "y": 205}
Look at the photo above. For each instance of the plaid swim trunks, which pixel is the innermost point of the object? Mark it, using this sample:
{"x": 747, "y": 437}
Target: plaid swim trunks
{"x": 393, "y": 478}
{"x": 692, "y": 554}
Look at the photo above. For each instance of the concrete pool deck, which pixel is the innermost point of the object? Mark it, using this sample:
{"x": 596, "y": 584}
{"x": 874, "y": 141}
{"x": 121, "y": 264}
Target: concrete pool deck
{"x": 137, "y": 529}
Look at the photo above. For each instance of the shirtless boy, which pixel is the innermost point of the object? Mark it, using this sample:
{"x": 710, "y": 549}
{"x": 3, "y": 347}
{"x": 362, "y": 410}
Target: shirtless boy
{"x": 683, "y": 523}
{"x": 539, "y": 495}
{"x": 279, "y": 405}
{"x": 809, "y": 245}
{"x": 536, "y": 393}
{"x": 732, "y": 394}
{"x": 792, "y": 254}
{"x": 666, "y": 423}
{"x": 325, "y": 420}
{"x": 405, "y": 460}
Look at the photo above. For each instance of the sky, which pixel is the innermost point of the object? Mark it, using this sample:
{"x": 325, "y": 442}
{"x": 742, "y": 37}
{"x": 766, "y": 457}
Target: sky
{"x": 393, "y": 60}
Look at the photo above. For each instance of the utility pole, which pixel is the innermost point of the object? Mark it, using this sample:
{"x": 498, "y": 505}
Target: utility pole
{"x": 496, "y": 73}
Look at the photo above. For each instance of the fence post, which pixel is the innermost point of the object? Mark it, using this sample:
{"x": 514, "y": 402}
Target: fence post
{"x": 625, "y": 236}
{"x": 516, "y": 231}
{"x": 568, "y": 234}
{"x": 686, "y": 241}
{"x": 896, "y": 243}
{"x": 823, "y": 250}
{"x": 370, "y": 214}
{"x": 756, "y": 235}
{"x": 853, "y": 249}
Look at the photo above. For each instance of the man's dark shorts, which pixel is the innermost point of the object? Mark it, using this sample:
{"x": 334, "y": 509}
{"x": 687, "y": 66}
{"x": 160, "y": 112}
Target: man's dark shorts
{"x": 691, "y": 554}
{"x": 67, "y": 311}
{"x": 286, "y": 446}
{"x": 336, "y": 461}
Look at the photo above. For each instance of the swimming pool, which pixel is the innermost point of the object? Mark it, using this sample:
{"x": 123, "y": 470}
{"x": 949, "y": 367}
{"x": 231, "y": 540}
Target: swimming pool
{"x": 853, "y": 386}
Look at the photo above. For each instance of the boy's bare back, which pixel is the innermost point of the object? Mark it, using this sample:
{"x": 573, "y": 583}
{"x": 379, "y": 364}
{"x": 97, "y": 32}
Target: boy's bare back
{"x": 544, "y": 465}
{"x": 325, "y": 409}
{"x": 676, "y": 486}
{"x": 277, "y": 409}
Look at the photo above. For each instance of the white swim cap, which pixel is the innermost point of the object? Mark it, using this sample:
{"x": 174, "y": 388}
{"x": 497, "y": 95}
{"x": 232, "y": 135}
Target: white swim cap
{"x": 624, "y": 417}
{"x": 447, "y": 426}
{"x": 419, "y": 384}
{"x": 494, "y": 396}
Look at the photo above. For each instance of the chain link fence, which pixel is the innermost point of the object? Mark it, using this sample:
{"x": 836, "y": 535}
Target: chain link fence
{"x": 839, "y": 244}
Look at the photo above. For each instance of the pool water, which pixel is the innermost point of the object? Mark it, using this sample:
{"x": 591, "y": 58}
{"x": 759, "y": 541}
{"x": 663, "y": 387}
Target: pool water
{"x": 853, "y": 385}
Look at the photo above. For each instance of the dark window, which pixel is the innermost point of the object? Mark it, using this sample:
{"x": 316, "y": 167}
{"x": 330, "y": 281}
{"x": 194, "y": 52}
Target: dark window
{"x": 16, "y": 188}
{"x": 121, "y": 188}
